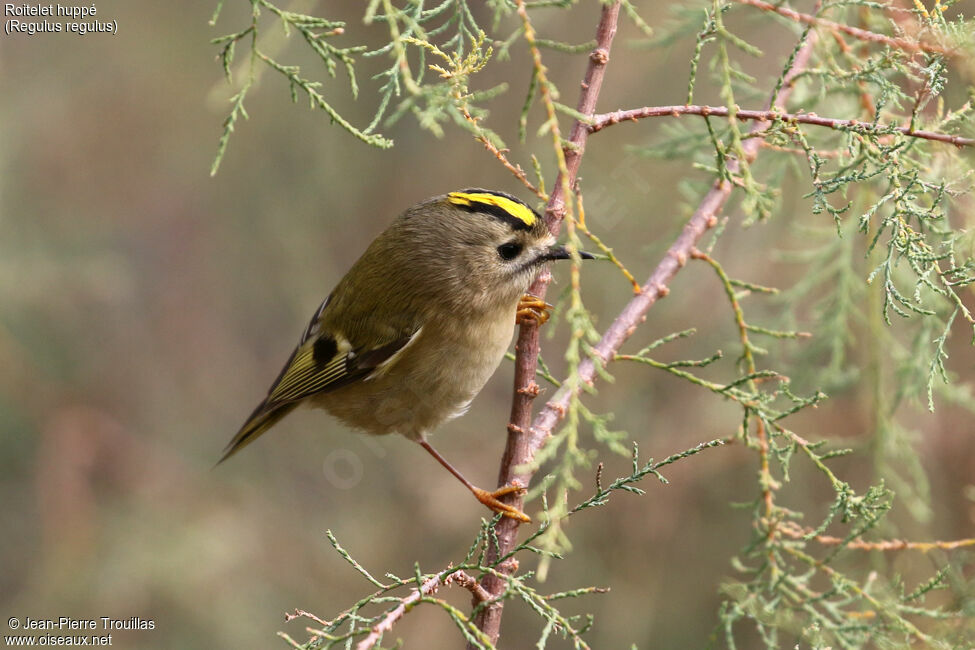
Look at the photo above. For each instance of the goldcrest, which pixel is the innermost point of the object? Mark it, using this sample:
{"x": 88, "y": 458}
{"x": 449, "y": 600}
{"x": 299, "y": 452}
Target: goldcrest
{"x": 419, "y": 323}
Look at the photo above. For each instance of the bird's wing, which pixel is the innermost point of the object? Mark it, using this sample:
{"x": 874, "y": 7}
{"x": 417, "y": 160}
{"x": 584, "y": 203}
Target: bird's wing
{"x": 322, "y": 361}
{"x": 328, "y": 362}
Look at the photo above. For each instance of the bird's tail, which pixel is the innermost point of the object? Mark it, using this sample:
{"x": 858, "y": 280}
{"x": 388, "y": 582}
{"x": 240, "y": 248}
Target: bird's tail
{"x": 260, "y": 421}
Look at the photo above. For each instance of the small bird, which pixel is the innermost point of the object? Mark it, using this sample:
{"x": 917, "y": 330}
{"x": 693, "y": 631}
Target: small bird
{"x": 419, "y": 324}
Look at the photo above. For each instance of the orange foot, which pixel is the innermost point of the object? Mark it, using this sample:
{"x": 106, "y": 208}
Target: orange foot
{"x": 532, "y": 308}
{"x": 490, "y": 499}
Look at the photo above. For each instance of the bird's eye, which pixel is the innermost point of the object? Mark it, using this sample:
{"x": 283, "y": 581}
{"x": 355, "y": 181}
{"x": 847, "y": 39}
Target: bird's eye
{"x": 509, "y": 251}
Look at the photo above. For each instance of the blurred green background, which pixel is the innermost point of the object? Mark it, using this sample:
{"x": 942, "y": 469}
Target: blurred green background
{"x": 145, "y": 307}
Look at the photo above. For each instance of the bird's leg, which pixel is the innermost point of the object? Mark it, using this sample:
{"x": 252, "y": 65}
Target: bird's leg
{"x": 532, "y": 308}
{"x": 489, "y": 499}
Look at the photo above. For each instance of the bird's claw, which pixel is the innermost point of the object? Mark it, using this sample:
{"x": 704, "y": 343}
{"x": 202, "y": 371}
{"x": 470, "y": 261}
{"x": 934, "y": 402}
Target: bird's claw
{"x": 534, "y": 309}
{"x": 490, "y": 499}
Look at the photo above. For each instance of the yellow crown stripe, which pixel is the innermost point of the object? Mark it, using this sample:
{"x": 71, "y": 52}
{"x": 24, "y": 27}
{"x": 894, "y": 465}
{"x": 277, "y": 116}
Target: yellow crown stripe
{"x": 517, "y": 210}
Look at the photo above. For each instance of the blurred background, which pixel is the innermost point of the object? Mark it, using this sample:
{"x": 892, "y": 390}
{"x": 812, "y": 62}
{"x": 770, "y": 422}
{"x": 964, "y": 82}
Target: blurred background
{"x": 145, "y": 307}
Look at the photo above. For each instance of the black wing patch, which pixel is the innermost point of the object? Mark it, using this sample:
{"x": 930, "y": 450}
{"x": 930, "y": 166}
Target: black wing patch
{"x": 320, "y": 363}
{"x": 318, "y": 367}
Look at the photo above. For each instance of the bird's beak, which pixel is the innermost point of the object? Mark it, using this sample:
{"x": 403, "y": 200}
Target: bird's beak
{"x": 561, "y": 253}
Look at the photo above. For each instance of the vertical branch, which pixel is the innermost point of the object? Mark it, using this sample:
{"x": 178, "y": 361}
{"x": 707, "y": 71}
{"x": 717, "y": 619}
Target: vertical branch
{"x": 519, "y": 450}
{"x": 525, "y": 437}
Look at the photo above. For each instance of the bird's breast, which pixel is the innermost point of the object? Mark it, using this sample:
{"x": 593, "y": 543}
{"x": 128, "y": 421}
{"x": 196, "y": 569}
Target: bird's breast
{"x": 433, "y": 380}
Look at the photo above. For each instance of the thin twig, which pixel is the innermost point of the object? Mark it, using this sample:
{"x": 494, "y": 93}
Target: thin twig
{"x": 516, "y": 170}
{"x": 852, "y": 586}
{"x": 862, "y": 34}
{"x": 465, "y": 580}
{"x": 386, "y": 624}
{"x": 288, "y": 617}
{"x": 603, "y": 120}
{"x": 796, "y": 532}
{"x": 761, "y": 434}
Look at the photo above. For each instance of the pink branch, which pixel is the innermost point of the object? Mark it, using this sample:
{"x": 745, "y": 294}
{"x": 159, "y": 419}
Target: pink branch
{"x": 855, "y": 32}
{"x": 704, "y": 218}
{"x": 428, "y": 587}
{"x": 603, "y": 120}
